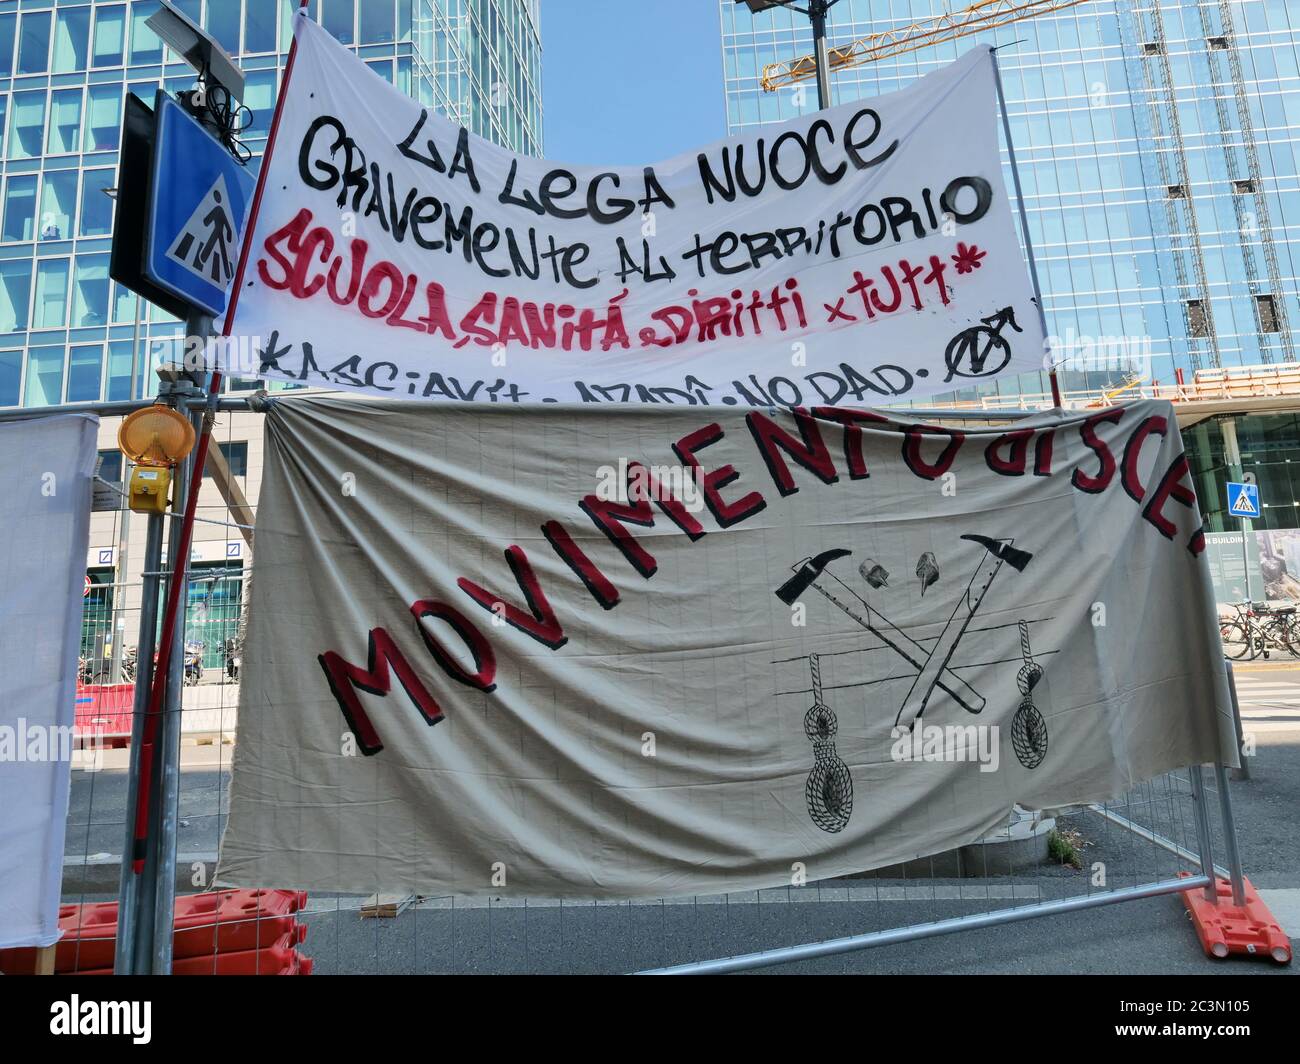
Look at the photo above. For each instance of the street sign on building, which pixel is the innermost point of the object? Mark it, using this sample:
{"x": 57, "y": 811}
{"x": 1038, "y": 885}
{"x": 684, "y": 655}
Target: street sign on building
{"x": 199, "y": 199}
{"x": 1243, "y": 500}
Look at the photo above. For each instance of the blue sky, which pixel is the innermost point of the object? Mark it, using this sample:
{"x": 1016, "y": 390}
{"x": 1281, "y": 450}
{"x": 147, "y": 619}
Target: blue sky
{"x": 628, "y": 82}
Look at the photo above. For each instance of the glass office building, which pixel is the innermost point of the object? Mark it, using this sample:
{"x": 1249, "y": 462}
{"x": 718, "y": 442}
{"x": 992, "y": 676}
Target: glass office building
{"x": 1157, "y": 149}
{"x": 67, "y": 333}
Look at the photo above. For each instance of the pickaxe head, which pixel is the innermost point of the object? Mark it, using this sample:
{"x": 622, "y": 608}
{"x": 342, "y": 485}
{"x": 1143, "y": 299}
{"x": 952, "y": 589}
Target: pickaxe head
{"x": 1002, "y": 548}
{"x": 807, "y": 571}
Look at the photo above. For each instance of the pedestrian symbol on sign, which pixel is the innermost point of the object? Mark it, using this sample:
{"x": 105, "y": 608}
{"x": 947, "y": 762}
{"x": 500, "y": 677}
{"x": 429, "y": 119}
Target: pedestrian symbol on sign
{"x": 199, "y": 198}
{"x": 203, "y": 246}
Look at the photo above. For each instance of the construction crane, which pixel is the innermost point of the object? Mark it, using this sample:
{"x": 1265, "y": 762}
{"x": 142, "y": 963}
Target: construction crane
{"x": 900, "y": 40}
{"x": 1144, "y": 24}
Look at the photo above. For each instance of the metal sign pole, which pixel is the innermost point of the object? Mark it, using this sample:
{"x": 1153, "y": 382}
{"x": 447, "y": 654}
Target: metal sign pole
{"x": 167, "y": 792}
{"x": 128, "y": 883}
{"x": 817, "y": 10}
{"x": 1024, "y": 223}
{"x": 1245, "y": 554}
{"x": 160, "y": 741}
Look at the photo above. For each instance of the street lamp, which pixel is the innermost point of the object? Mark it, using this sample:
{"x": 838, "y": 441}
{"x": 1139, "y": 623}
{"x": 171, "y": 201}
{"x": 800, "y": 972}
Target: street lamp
{"x": 816, "y": 12}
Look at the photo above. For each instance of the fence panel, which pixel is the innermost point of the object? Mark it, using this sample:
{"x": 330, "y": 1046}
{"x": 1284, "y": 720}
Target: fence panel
{"x": 1136, "y": 846}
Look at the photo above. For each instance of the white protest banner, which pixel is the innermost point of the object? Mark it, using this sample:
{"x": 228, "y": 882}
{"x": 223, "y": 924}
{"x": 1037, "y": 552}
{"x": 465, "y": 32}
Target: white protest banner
{"x": 858, "y": 255}
{"x": 46, "y": 465}
{"x": 624, "y": 652}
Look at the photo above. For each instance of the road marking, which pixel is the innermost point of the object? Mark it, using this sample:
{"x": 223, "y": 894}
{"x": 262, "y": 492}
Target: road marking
{"x": 1284, "y": 904}
{"x": 1255, "y": 691}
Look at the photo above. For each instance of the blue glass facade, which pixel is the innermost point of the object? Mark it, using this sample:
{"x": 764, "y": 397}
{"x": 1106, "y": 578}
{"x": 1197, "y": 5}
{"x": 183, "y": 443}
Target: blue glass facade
{"x": 67, "y": 333}
{"x": 1157, "y": 150}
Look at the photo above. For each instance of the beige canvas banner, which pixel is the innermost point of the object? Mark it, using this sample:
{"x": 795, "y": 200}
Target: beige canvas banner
{"x": 624, "y": 653}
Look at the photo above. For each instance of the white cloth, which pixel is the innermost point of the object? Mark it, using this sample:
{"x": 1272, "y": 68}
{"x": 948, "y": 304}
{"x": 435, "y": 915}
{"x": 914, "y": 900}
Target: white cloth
{"x": 856, "y": 255}
{"x": 46, "y": 466}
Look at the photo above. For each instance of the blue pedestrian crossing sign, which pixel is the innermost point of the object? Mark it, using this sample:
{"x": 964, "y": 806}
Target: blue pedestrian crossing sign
{"x": 1243, "y": 500}
{"x": 198, "y": 203}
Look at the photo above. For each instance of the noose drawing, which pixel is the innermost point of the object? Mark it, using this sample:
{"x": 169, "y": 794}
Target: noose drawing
{"x": 1028, "y": 729}
{"x": 829, "y": 789}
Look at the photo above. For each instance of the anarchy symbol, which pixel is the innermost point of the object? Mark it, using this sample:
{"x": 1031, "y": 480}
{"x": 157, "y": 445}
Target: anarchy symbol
{"x": 981, "y": 350}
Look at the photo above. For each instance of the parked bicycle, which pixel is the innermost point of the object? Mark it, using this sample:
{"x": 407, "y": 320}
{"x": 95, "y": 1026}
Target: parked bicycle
{"x": 1258, "y": 629}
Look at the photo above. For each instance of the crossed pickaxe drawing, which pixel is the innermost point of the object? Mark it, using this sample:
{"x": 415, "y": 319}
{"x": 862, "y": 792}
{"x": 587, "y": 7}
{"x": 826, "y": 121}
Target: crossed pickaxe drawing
{"x": 932, "y": 671}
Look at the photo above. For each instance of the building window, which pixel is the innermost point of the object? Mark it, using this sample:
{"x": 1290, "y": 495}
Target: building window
{"x": 58, "y": 205}
{"x": 103, "y": 117}
{"x": 236, "y": 456}
{"x": 110, "y": 33}
{"x": 63, "y": 136}
{"x": 15, "y": 288}
{"x": 1267, "y": 307}
{"x": 1197, "y": 326}
{"x": 125, "y": 305}
{"x": 259, "y": 97}
{"x": 44, "y": 376}
{"x": 85, "y": 362}
{"x": 8, "y": 34}
{"x": 337, "y": 18}
{"x": 259, "y": 27}
{"x": 90, "y": 296}
{"x": 34, "y": 43}
{"x": 223, "y": 24}
{"x": 51, "y": 307}
{"x": 213, "y": 603}
{"x": 11, "y": 376}
{"x": 146, "y": 46}
{"x": 20, "y": 208}
{"x": 27, "y": 125}
{"x": 110, "y": 466}
{"x": 119, "y": 370}
{"x": 71, "y": 38}
{"x": 96, "y": 207}
{"x": 377, "y": 20}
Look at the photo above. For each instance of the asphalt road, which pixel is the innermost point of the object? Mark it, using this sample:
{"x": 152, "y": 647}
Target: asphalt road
{"x": 1150, "y": 936}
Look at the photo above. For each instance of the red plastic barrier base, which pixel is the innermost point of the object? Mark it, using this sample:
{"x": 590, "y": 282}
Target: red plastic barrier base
{"x": 221, "y": 921}
{"x": 104, "y": 713}
{"x": 279, "y": 958}
{"x": 1225, "y": 928}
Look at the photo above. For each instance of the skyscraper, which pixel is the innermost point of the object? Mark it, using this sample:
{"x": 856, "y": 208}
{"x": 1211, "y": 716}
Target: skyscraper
{"x": 67, "y": 334}
{"x": 1156, "y": 149}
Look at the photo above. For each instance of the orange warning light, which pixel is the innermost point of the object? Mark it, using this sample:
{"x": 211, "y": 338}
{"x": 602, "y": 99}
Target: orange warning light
{"x": 156, "y": 436}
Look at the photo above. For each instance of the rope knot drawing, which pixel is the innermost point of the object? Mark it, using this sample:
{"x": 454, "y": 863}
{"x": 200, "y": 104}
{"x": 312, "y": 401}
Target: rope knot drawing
{"x": 829, "y": 787}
